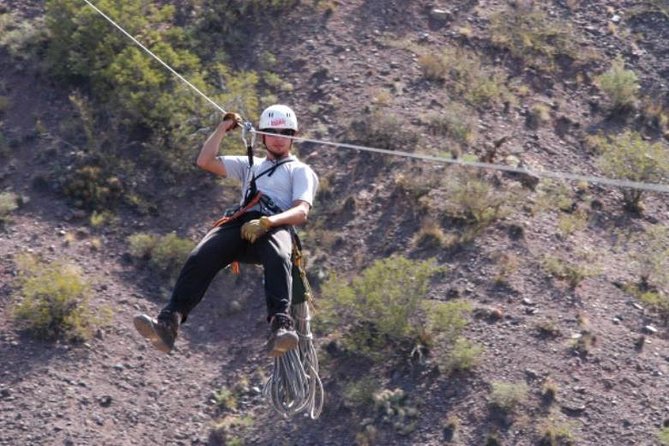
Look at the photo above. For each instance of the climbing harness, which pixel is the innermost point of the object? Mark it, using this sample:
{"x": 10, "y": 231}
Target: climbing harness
{"x": 294, "y": 385}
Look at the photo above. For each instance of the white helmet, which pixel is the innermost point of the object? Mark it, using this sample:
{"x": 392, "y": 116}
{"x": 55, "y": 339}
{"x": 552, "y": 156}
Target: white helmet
{"x": 278, "y": 117}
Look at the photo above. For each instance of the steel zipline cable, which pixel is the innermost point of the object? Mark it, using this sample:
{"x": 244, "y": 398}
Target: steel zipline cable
{"x": 294, "y": 385}
{"x": 652, "y": 187}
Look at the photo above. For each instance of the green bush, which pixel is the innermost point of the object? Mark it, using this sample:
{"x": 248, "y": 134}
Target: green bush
{"x": 393, "y": 406}
{"x": 529, "y": 34}
{"x": 663, "y": 436}
{"x": 92, "y": 187}
{"x": 361, "y": 393}
{"x": 22, "y": 37}
{"x": 447, "y": 320}
{"x": 8, "y": 204}
{"x": 4, "y": 104}
{"x": 142, "y": 100}
{"x": 384, "y": 131}
{"x": 555, "y": 433}
{"x": 507, "y": 396}
{"x": 164, "y": 254}
{"x": 650, "y": 254}
{"x": 620, "y": 85}
{"x": 629, "y": 157}
{"x": 464, "y": 355}
{"x": 473, "y": 200}
{"x": 464, "y": 74}
{"x": 455, "y": 122}
{"x": 52, "y": 300}
{"x": 380, "y": 305}
{"x": 571, "y": 272}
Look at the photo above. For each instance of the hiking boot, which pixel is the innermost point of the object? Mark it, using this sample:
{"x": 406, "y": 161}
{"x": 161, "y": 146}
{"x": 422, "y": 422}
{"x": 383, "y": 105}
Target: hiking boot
{"x": 283, "y": 337}
{"x": 161, "y": 332}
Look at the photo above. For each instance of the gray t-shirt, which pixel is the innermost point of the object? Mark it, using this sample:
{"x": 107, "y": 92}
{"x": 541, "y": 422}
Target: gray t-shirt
{"x": 290, "y": 181}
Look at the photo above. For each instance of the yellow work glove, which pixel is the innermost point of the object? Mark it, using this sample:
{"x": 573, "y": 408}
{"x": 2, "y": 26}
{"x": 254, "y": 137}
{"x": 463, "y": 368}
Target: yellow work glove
{"x": 230, "y": 116}
{"x": 255, "y": 229}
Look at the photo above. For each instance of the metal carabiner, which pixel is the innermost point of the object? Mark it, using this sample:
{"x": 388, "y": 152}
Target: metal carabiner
{"x": 248, "y": 128}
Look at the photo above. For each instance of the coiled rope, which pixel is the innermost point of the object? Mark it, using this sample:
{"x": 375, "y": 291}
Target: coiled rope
{"x": 294, "y": 385}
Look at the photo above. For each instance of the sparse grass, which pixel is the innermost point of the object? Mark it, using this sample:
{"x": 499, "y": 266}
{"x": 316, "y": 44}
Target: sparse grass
{"x": 649, "y": 254}
{"x": 367, "y": 437}
{"x": 507, "y": 396}
{"x": 430, "y": 235}
{"x": 8, "y": 204}
{"x": 455, "y": 122}
{"x": 463, "y": 356}
{"x": 4, "y": 104}
{"x": 473, "y": 200}
{"x": 555, "y": 433}
{"x": 663, "y": 436}
{"x": 506, "y": 265}
{"x": 447, "y": 320}
{"x": 223, "y": 430}
{"x": 274, "y": 81}
{"x": 573, "y": 273}
{"x": 628, "y": 156}
{"x": 91, "y": 187}
{"x": 393, "y": 405}
{"x": 583, "y": 342}
{"x": 165, "y": 254}
{"x": 382, "y": 97}
{"x": 529, "y": 34}
{"x": 568, "y": 224}
{"x": 463, "y": 73}
{"x": 21, "y": 36}
{"x": 52, "y": 300}
{"x": 652, "y": 6}
{"x": 656, "y": 300}
{"x": 539, "y": 114}
{"x": 225, "y": 399}
{"x": 552, "y": 195}
{"x": 360, "y": 393}
{"x": 549, "y": 390}
{"x": 620, "y": 85}
{"x": 104, "y": 218}
{"x": 548, "y": 328}
{"x": 384, "y": 130}
{"x": 655, "y": 114}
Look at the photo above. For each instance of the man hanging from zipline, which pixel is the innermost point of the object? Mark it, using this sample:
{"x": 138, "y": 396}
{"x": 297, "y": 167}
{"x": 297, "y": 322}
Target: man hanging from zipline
{"x": 278, "y": 194}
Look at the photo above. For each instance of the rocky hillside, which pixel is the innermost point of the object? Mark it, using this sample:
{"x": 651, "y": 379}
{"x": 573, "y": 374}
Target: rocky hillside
{"x": 563, "y": 285}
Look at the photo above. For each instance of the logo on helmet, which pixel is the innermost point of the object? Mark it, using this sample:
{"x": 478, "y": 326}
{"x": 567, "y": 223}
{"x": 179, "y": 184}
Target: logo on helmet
{"x": 277, "y": 122}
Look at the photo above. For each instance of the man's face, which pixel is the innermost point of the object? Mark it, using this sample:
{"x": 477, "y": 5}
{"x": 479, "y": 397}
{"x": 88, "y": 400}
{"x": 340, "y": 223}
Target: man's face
{"x": 278, "y": 145}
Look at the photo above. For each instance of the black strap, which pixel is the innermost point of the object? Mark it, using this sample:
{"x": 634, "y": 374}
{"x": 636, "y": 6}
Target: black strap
{"x": 253, "y": 189}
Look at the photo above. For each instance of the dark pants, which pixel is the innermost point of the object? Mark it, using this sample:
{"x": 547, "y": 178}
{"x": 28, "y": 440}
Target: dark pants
{"x": 223, "y": 245}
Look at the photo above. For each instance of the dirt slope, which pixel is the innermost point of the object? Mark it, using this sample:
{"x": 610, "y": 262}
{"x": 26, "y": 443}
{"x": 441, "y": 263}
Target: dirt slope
{"x": 116, "y": 391}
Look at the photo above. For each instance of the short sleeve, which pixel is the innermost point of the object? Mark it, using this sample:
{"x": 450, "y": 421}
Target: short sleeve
{"x": 305, "y": 184}
{"x": 235, "y": 166}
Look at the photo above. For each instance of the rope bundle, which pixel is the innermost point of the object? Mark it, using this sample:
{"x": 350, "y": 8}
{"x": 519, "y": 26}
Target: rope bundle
{"x": 294, "y": 385}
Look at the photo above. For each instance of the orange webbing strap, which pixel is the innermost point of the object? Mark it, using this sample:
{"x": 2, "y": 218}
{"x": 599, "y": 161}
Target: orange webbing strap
{"x": 234, "y": 266}
{"x": 241, "y": 211}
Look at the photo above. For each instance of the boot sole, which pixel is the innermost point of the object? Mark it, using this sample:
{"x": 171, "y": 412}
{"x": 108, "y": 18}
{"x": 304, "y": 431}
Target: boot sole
{"x": 283, "y": 343}
{"x": 144, "y": 325}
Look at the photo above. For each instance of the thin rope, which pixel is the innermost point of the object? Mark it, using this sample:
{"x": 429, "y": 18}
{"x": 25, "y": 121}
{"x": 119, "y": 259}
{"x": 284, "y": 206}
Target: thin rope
{"x": 654, "y": 187}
